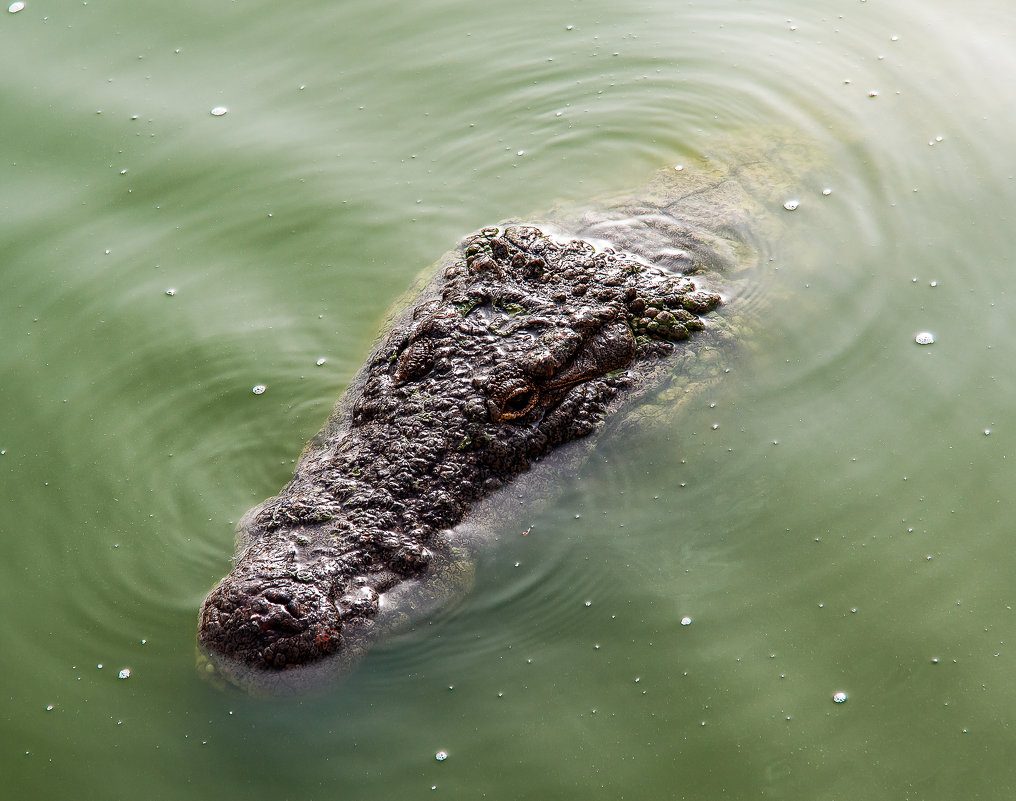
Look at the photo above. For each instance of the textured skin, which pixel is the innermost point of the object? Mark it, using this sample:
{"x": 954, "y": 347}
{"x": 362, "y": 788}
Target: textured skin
{"x": 521, "y": 343}
{"x": 522, "y": 352}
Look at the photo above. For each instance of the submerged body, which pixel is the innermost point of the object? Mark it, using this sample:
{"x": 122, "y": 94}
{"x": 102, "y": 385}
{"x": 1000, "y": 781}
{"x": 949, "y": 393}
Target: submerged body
{"x": 523, "y": 342}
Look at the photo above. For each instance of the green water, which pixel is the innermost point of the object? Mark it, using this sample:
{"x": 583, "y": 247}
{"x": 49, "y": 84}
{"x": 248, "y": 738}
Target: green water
{"x": 845, "y": 523}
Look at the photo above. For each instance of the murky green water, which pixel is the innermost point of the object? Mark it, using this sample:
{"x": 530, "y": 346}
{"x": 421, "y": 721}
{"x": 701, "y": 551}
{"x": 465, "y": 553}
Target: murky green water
{"x": 845, "y": 526}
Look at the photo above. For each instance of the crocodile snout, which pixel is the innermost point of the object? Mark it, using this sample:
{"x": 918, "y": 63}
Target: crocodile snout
{"x": 248, "y": 624}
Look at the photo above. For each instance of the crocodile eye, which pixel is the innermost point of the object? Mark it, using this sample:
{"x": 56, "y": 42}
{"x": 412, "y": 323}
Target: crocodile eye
{"x": 415, "y": 360}
{"x": 512, "y": 397}
{"x": 518, "y": 403}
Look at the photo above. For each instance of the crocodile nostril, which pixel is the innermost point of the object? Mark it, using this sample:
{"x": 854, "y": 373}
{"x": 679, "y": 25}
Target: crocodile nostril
{"x": 277, "y": 597}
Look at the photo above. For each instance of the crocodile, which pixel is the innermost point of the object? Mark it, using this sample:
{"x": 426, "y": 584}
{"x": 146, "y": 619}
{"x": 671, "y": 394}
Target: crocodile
{"x": 525, "y": 340}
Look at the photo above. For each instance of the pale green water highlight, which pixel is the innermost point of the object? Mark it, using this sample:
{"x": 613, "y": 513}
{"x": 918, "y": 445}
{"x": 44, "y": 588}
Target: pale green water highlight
{"x": 131, "y": 439}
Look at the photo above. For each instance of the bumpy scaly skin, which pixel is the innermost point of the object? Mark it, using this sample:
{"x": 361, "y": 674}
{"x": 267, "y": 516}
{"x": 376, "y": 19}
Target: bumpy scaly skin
{"x": 520, "y": 346}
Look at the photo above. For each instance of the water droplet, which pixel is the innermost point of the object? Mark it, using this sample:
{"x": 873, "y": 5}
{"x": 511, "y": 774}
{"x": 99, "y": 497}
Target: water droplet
{"x": 49, "y": 708}
{"x": 320, "y": 361}
{"x": 219, "y": 111}
{"x": 839, "y": 697}
{"x": 827, "y": 191}
{"x": 685, "y": 621}
{"x": 14, "y": 8}
{"x": 679, "y": 167}
{"x": 441, "y": 756}
{"x": 715, "y": 426}
{"x": 171, "y": 292}
{"x": 791, "y": 205}
{"x": 987, "y": 432}
{"x": 259, "y": 389}
{"x": 925, "y": 338}
{"x": 589, "y": 603}
{"x": 933, "y": 283}
{"x": 873, "y": 93}
{"x": 125, "y": 673}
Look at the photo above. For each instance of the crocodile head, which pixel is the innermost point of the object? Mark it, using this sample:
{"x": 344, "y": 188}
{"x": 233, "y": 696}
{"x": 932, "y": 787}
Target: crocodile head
{"x": 521, "y": 344}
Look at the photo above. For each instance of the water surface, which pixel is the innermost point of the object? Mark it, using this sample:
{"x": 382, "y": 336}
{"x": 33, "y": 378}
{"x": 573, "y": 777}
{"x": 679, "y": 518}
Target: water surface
{"x": 833, "y": 515}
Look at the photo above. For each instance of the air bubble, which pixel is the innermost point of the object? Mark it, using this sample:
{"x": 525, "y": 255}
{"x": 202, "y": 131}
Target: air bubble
{"x": 791, "y": 205}
{"x": 14, "y": 8}
{"x": 925, "y": 338}
{"x": 441, "y": 756}
{"x": 839, "y": 697}
{"x": 259, "y": 389}
{"x": 219, "y": 111}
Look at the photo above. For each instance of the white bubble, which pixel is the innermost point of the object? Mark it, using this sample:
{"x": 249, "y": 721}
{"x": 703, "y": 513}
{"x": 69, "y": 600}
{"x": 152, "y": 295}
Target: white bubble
{"x": 925, "y": 338}
{"x": 259, "y": 389}
{"x": 320, "y": 361}
{"x": 791, "y": 205}
{"x": 839, "y": 697}
{"x": 219, "y": 111}
{"x": 685, "y": 621}
{"x": 171, "y": 292}
{"x": 441, "y": 756}
{"x": 14, "y": 8}
{"x": 827, "y": 191}
{"x": 125, "y": 673}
